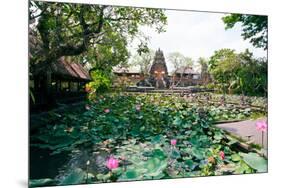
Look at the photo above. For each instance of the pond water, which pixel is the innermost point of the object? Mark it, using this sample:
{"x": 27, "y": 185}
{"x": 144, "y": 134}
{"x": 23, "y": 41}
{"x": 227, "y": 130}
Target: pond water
{"x": 43, "y": 165}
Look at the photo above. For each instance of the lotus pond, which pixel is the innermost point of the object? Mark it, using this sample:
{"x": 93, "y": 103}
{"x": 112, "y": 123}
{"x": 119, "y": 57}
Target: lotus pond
{"x": 120, "y": 137}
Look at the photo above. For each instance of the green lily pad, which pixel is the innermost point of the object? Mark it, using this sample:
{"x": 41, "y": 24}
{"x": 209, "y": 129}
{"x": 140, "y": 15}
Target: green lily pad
{"x": 156, "y": 139}
{"x": 177, "y": 121}
{"x": 130, "y": 175}
{"x": 41, "y": 182}
{"x": 235, "y": 157}
{"x": 175, "y": 154}
{"x": 199, "y": 153}
{"x": 155, "y": 166}
{"x": 191, "y": 165}
{"x": 75, "y": 177}
{"x": 255, "y": 161}
{"x": 159, "y": 154}
{"x": 218, "y": 136}
{"x": 103, "y": 177}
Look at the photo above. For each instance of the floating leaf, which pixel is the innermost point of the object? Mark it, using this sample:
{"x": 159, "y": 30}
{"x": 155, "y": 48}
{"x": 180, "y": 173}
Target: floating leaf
{"x": 75, "y": 177}
{"x": 130, "y": 175}
{"x": 155, "y": 166}
{"x": 175, "y": 154}
{"x": 218, "y": 135}
{"x": 177, "y": 121}
{"x": 103, "y": 177}
{"x": 156, "y": 139}
{"x": 42, "y": 182}
{"x": 199, "y": 153}
{"x": 235, "y": 157}
{"x": 159, "y": 154}
{"x": 255, "y": 161}
{"x": 190, "y": 163}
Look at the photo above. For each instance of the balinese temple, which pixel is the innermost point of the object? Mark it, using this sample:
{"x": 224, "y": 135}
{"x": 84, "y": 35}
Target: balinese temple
{"x": 158, "y": 66}
{"x": 158, "y": 71}
{"x": 159, "y": 77}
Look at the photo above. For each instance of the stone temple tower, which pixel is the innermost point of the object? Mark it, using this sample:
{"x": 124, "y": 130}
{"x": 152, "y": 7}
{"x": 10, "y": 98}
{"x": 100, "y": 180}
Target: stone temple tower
{"x": 158, "y": 71}
{"x": 158, "y": 66}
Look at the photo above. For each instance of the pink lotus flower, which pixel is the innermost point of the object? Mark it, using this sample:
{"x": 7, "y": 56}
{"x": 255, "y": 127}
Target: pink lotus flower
{"x": 261, "y": 126}
{"x": 106, "y": 110}
{"x": 222, "y": 156}
{"x": 173, "y": 142}
{"x": 112, "y": 163}
{"x": 138, "y": 107}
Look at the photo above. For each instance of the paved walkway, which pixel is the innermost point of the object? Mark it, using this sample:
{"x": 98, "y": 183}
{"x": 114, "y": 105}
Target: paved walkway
{"x": 247, "y": 131}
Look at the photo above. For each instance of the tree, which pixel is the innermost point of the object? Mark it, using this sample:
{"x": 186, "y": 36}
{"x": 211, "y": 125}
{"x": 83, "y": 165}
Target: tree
{"x": 180, "y": 63}
{"x": 239, "y": 73}
{"x": 223, "y": 65}
{"x": 204, "y": 69}
{"x": 252, "y": 75}
{"x": 144, "y": 61}
{"x": 98, "y": 34}
{"x": 178, "y": 60}
{"x": 73, "y": 29}
{"x": 254, "y": 27}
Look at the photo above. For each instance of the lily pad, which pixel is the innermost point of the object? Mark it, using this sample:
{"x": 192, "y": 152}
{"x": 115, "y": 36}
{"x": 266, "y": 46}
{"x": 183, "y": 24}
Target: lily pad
{"x": 41, "y": 182}
{"x": 177, "y": 121}
{"x": 159, "y": 154}
{"x": 75, "y": 177}
{"x": 199, "y": 153}
{"x": 255, "y": 161}
{"x": 235, "y": 157}
{"x": 155, "y": 166}
{"x": 175, "y": 154}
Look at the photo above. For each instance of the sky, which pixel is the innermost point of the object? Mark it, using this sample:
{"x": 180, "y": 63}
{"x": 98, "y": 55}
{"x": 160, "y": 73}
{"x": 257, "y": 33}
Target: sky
{"x": 197, "y": 34}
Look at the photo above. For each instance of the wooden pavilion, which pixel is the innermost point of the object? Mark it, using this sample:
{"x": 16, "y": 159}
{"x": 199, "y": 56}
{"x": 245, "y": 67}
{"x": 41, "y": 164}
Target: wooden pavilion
{"x": 60, "y": 82}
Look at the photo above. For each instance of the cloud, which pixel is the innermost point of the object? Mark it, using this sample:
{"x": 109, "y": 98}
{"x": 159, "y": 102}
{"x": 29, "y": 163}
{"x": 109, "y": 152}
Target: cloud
{"x": 197, "y": 34}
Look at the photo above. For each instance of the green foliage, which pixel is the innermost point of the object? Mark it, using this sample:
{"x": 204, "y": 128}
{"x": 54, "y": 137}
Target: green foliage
{"x": 254, "y": 27}
{"x": 101, "y": 81}
{"x": 96, "y": 33}
{"x": 42, "y": 182}
{"x": 77, "y": 176}
{"x": 255, "y": 161}
{"x": 130, "y": 175}
{"x": 143, "y": 61}
{"x": 140, "y": 139}
{"x": 239, "y": 73}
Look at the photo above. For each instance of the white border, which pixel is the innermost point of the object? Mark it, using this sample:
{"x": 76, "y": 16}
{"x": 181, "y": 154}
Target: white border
{"x": 13, "y": 99}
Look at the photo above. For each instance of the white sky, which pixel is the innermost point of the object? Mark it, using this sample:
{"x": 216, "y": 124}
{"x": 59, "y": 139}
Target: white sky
{"x": 197, "y": 34}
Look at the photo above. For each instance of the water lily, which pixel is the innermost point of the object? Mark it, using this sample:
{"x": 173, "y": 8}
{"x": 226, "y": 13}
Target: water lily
{"x": 173, "y": 142}
{"x": 138, "y": 107}
{"x": 106, "y": 110}
{"x": 221, "y": 154}
{"x": 112, "y": 163}
{"x": 261, "y": 126}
